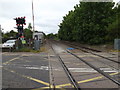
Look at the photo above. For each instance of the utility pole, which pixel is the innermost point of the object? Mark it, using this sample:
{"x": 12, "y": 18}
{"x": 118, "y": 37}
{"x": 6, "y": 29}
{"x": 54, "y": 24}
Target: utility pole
{"x": 0, "y": 29}
{"x": 0, "y": 34}
{"x": 33, "y": 16}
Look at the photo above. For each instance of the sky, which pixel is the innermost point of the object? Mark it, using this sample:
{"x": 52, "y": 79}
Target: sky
{"x": 48, "y": 14}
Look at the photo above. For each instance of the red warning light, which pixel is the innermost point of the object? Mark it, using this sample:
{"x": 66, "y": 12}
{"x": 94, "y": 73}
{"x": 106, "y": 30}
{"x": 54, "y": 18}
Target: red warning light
{"x": 22, "y": 36}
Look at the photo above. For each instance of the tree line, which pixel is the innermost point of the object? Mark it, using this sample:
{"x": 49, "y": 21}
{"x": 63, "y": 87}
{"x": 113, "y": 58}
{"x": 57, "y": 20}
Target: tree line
{"x": 91, "y": 23}
{"x": 13, "y": 35}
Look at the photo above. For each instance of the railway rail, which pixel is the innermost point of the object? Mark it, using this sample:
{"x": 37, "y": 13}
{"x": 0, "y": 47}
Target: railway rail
{"x": 68, "y": 73}
{"x": 71, "y": 77}
{"x": 89, "y": 50}
{"x": 93, "y": 52}
{"x": 95, "y": 68}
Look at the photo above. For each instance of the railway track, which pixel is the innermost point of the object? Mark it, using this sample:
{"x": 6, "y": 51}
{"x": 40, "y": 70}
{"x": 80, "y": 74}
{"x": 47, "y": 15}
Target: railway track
{"x": 89, "y": 50}
{"x": 93, "y": 52}
{"x": 72, "y": 79}
{"x": 68, "y": 73}
{"x": 97, "y": 69}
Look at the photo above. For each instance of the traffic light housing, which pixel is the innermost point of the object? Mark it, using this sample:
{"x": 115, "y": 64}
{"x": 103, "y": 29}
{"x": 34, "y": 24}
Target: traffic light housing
{"x": 20, "y": 29}
{"x": 23, "y": 21}
{"x": 20, "y": 21}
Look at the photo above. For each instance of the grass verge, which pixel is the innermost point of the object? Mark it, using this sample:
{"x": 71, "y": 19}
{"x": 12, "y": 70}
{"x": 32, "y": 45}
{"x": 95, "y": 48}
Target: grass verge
{"x": 27, "y": 49}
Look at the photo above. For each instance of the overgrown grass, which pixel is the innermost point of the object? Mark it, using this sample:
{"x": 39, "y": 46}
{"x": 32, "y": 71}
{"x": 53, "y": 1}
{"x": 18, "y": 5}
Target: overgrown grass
{"x": 27, "y": 49}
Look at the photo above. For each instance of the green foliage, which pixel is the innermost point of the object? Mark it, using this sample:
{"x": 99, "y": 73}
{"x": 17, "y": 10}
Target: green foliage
{"x": 114, "y": 28}
{"x": 87, "y": 23}
{"x": 11, "y": 34}
{"x": 29, "y": 26}
{"x": 28, "y": 32}
{"x": 52, "y": 36}
{"x": 8, "y": 35}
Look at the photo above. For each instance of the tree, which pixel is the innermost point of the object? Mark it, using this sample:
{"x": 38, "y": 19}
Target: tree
{"x": 87, "y": 23}
{"x": 29, "y": 26}
{"x": 9, "y": 35}
{"x": 52, "y": 36}
{"x": 114, "y": 28}
{"x": 28, "y": 32}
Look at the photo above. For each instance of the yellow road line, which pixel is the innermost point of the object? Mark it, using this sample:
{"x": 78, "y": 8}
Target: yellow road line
{"x": 83, "y": 81}
{"x": 87, "y": 80}
{"x": 39, "y": 81}
{"x": 11, "y": 60}
{"x": 4, "y": 52}
{"x": 43, "y": 88}
{"x": 15, "y": 58}
{"x": 28, "y": 77}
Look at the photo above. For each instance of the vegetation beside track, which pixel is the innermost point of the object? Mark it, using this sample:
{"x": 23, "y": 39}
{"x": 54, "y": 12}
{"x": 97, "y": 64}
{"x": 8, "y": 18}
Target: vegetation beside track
{"x": 91, "y": 23}
{"x": 28, "y": 49}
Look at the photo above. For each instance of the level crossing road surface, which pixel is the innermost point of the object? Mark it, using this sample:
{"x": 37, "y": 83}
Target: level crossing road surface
{"x": 24, "y": 70}
{"x": 82, "y": 73}
{"x": 43, "y": 70}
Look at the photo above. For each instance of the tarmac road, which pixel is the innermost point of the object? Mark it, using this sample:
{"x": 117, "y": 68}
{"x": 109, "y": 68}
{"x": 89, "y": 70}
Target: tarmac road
{"x": 37, "y": 70}
{"x": 24, "y": 70}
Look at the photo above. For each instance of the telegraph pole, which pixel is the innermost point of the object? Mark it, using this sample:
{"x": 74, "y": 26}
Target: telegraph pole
{"x": 0, "y": 28}
{"x": 33, "y": 16}
{"x": 0, "y": 34}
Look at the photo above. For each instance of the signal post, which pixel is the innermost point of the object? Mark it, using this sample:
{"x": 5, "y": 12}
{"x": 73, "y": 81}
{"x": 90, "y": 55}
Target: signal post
{"x": 20, "y": 22}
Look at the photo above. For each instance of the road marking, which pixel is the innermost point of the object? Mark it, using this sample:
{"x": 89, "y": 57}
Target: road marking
{"x": 48, "y": 88}
{"x": 91, "y": 70}
{"x": 28, "y": 77}
{"x": 4, "y": 52}
{"x": 11, "y": 60}
{"x": 39, "y": 81}
{"x": 87, "y": 55}
{"x": 41, "y": 67}
{"x": 88, "y": 80}
{"x": 83, "y": 81}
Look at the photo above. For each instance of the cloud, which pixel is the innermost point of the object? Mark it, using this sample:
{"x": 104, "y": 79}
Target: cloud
{"x": 48, "y": 13}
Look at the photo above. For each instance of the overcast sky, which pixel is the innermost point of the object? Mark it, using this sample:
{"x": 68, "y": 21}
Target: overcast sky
{"x": 48, "y": 13}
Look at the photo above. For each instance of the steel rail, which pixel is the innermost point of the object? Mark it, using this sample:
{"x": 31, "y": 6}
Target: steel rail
{"x": 97, "y": 69}
{"x": 100, "y": 56}
{"x": 78, "y": 47}
{"x": 71, "y": 78}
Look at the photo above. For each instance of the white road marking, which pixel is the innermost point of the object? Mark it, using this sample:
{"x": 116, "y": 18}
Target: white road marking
{"x": 41, "y": 68}
{"x": 74, "y": 69}
{"x": 91, "y": 70}
{"x": 87, "y": 55}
